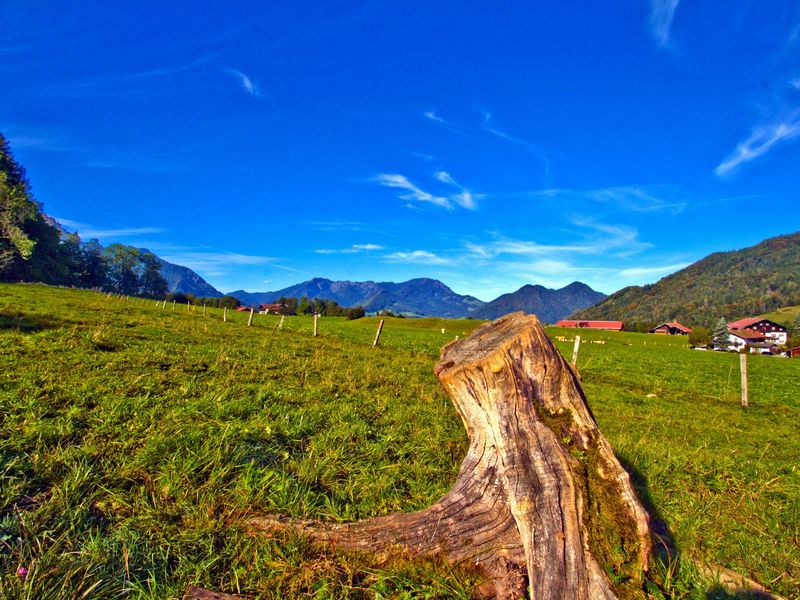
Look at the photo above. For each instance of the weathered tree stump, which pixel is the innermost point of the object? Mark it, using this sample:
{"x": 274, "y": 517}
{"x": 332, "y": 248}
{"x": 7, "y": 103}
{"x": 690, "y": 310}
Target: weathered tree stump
{"x": 541, "y": 505}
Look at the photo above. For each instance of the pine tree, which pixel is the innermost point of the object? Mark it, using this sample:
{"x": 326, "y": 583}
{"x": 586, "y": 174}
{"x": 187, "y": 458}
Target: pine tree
{"x": 719, "y": 338}
{"x": 796, "y": 325}
{"x": 17, "y": 209}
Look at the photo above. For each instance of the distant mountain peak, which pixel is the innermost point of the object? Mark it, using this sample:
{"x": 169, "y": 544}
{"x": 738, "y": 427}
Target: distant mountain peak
{"x": 183, "y": 280}
{"x": 548, "y": 304}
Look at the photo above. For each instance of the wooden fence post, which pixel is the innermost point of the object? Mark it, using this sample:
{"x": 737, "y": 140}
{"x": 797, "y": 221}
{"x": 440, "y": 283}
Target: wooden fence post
{"x": 743, "y": 367}
{"x": 250, "y": 319}
{"x": 280, "y": 325}
{"x": 225, "y": 314}
{"x": 316, "y": 318}
{"x": 187, "y": 306}
{"x": 378, "y": 334}
{"x": 173, "y": 305}
{"x": 575, "y": 350}
{"x": 204, "y": 309}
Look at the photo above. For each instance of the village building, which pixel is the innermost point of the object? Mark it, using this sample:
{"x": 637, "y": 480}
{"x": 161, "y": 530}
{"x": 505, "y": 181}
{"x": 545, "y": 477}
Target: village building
{"x": 794, "y": 352}
{"x": 271, "y": 309}
{"x": 242, "y": 309}
{"x": 607, "y": 325}
{"x": 671, "y": 328}
{"x": 774, "y": 332}
{"x": 753, "y": 341}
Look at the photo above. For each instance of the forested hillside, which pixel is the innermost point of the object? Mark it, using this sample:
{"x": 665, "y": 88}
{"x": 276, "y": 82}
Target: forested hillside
{"x": 34, "y": 247}
{"x": 732, "y": 284}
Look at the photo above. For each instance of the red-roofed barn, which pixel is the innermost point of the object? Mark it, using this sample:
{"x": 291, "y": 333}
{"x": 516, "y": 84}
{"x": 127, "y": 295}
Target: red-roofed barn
{"x": 609, "y": 325}
{"x": 774, "y": 332}
{"x": 672, "y": 328}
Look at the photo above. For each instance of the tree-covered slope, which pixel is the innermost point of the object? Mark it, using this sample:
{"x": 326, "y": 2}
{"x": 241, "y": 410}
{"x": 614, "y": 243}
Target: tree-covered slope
{"x": 731, "y": 284}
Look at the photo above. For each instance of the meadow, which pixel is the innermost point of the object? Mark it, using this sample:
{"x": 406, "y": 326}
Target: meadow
{"x": 135, "y": 441}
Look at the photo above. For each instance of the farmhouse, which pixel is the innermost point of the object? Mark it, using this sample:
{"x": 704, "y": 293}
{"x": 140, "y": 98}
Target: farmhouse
{"x": 774, "y": 332}
{"x": 610, "y": 325}
{"x": 672, "y": 328}
{"x": 242, "y": 308}
{"x": 794, "y": 352}
{"x": 271, "y": 309}
{"x": 755, "y": 342}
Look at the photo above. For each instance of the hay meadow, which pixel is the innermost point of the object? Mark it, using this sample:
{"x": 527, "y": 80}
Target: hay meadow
{"x": 135, "y": 440}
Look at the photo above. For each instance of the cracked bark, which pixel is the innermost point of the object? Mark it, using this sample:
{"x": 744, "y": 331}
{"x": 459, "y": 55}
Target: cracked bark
{"x": 539, "y": 487}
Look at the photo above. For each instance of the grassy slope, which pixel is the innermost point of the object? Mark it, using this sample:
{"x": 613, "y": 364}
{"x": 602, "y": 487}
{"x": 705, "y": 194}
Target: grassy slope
{"x": 784, "y": 316}
{"x": 133, "y": 439}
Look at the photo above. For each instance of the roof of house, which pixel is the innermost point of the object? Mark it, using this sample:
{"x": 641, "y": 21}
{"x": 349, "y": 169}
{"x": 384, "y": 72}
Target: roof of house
{"x": 742, "y": 323}
{"x": 748, "y": 335}
{"x": 615, "y": 325}
{"x": 674, "y": 324}
{"x": 747, "y": 322}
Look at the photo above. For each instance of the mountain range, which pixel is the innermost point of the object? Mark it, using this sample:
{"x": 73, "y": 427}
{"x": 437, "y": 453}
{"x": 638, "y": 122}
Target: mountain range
{"x": 726, "y": 285}
{"x": 423, "y": 296}
{"x": 547, "y": 304}
{"x": 430, "y": 297}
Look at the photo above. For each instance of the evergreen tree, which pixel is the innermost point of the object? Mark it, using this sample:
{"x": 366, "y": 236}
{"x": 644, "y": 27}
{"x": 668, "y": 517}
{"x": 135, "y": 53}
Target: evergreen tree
{"x": 17, "y": 207}
{"x": 795, "y": 329}
{"x": 719, "y": 338}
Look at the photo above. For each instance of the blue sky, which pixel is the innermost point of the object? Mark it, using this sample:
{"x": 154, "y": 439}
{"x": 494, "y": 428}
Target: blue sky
{"x": 488, "y": 145}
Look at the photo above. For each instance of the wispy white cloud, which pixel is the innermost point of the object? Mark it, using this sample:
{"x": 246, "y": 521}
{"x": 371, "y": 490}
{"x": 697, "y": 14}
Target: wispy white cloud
{"x": 88, "y": 232}
{"x": 662, "y": 13}
{"x": 109, "y": 83}
{"x": 354, "y": 249}
{"x": 638, "y": 272}
{"x": 248, "y": 85}
{"x": 794, "y": 34}
{"x": 431, "y": 115}
{"x": 342, "y": 225}
{"x": 762, "y": 139}
{"x": 601, "y": 239}
{"x": 216, "y": 263}
{"x": 463, "y": 197}
{"x": 488, "y": 124}
{"x": 418, "y": 257}
{"x": 628, "y": 199}
{"x": 414, "y": 192}
{"x": 38, "y": 142}
{"x": 635, "y": 199}
{"x": 462, "y": 130}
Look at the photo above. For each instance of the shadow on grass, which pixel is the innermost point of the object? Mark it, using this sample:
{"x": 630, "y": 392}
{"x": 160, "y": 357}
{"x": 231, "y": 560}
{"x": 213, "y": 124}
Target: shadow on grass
{"x": 673, "y": 569}
{"x": 28, "y": 323}
{"x": 720, "y": 593}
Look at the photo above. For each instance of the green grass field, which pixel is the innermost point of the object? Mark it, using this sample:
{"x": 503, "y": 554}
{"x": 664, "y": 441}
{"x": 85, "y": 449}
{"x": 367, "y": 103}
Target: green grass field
{"x": 784, "y": 316}
{"x": 134, "y": 441}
